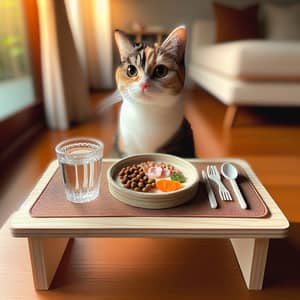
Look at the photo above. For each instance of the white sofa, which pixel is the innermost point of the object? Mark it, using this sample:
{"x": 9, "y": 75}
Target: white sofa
{"x": 246, "y": 72}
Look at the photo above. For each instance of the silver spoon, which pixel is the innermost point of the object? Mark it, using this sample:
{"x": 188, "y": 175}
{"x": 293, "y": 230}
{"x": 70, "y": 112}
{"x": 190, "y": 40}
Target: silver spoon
{"x": 230, "y": 172}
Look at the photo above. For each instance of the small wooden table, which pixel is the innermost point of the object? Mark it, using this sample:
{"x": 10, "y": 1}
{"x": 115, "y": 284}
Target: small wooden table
{"x": 48, "y": 237}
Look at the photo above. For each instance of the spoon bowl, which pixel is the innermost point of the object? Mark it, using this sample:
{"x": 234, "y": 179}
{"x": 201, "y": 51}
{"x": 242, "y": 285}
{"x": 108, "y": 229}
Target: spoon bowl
{"x": 230, "y": 172}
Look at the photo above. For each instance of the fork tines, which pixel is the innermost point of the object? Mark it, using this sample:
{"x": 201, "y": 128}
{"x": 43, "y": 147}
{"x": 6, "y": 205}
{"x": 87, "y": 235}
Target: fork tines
{"x": 214, "y": 175}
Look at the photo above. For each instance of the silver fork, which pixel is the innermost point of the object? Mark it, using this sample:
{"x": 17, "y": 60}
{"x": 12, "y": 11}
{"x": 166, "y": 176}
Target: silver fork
{"x": 214, "y": 175}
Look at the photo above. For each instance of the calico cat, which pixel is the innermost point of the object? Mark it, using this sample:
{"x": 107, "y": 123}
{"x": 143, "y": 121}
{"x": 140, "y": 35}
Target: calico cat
{"x": 150, "y": 80}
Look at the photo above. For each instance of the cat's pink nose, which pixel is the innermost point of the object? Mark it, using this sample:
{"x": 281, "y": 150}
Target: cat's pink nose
{"x": 144, "y": 85}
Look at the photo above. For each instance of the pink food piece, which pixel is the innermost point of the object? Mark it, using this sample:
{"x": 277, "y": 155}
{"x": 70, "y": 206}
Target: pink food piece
{"x": 155, "y": 172}
{"x": 166, "y": 172}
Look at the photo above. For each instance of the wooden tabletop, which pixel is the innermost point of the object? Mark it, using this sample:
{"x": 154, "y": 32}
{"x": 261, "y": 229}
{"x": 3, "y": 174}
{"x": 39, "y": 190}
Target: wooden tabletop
{"x": 274, "y": 226}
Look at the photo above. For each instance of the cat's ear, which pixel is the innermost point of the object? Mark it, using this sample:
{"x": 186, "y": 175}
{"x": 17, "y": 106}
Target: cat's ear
{"x": 175, "y": 43}
{"x": 124, "y": 45}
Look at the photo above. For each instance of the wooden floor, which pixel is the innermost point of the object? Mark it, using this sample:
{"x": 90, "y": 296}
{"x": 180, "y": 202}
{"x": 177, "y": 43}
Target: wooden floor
{"x": 164, "y": 268}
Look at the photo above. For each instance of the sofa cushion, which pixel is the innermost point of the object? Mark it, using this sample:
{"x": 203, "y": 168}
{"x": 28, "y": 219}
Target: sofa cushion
{"x": 251, "y": 60}
{"x": 231, "y": 91}
{"x": 235, "y": 24}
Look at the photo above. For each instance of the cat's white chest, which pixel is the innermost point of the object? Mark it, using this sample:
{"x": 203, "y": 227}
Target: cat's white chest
{"x": 145, "y": 128}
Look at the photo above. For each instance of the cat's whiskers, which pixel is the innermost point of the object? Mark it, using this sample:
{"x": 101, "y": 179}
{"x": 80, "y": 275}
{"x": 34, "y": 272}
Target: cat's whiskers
{"x": 109, "y": 101}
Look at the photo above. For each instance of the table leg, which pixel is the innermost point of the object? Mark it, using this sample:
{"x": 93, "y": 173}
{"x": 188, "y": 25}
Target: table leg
{"x": 45, "y": 254}
{"x": 230, "y": 117}
{"x": 251, "y": 255}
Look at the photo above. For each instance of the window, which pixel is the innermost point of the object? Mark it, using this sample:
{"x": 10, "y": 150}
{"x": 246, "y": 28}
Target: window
{"x": 20, "y": 70}
{"x": 16, "y": 82}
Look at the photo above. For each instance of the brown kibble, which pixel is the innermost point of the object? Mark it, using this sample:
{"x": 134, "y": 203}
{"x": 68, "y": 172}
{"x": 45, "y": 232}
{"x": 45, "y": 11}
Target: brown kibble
{"x": 145, "y": 178}
{"x": 137, "y": 189}
{"x": 127, "y": 185}
{"x": 133, "y": 184}
{"x": 140, "y": 184}
{"x": 153, "y": 184}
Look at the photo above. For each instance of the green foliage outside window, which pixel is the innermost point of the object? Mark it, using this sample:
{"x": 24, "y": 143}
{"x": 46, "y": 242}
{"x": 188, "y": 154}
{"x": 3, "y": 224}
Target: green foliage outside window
{"x": 13, "y": 47}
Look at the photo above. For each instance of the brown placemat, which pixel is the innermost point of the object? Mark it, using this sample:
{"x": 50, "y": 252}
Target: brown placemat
{"x": 52, "y": 202}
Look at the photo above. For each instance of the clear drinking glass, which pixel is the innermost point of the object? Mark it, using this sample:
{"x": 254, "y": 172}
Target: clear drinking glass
{"x": 80, "y": 161}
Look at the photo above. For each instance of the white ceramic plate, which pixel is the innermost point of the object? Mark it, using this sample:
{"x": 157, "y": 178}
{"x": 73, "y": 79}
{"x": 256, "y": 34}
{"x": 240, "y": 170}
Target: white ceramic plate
{"x": 153, "y": 200}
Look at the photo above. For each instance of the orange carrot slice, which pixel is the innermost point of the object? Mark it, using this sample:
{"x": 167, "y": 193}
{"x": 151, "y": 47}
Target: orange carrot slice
{"x": 166, "y": 185}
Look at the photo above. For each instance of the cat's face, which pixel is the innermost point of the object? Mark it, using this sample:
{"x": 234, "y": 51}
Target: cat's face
{"x": 146, "y": 74}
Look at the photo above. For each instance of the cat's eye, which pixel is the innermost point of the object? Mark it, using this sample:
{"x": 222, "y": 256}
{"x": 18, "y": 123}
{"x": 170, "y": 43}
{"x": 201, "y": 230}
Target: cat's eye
{"x": 160, "y": 71}
{"x": 131, "y": 71}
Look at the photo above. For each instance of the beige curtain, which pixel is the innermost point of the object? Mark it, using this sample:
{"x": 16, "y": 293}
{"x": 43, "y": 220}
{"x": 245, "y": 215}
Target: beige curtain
{"x": 92, "y": 31}
{"x": 65, "y": 86}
